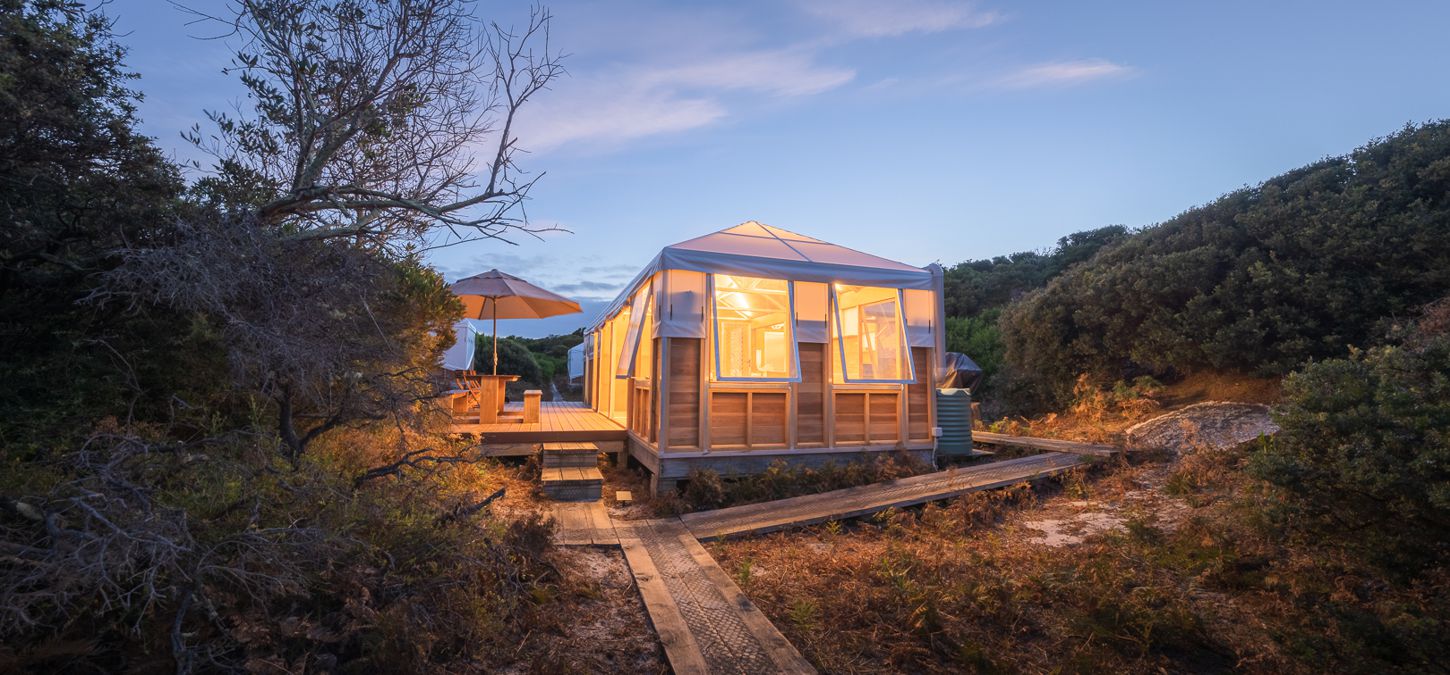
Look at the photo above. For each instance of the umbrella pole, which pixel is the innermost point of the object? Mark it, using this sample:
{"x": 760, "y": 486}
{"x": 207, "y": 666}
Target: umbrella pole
{"x": 495, "y": 336}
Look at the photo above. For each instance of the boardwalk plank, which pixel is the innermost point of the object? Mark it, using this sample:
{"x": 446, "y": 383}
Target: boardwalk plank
{"x": 867, "y": 499}
{"x": 781, "y": 651}
{"x": 729, "y": 634}
{"x": 1052, "y": 444}
{"x": 679, "y": 643}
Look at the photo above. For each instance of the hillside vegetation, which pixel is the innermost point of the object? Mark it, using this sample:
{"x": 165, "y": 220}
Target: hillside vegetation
{"x": 1302, "y": 266}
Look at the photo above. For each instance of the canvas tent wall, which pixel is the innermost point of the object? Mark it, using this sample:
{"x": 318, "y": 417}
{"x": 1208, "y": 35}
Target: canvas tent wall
{"x": 460, "y": 355}
{"x": 754, "y": 342}
{"x": 576, "y": 363}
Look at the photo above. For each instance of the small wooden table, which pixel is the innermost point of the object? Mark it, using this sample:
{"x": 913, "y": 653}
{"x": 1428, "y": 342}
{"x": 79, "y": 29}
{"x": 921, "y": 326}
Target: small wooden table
{"x": 489, "y": 389}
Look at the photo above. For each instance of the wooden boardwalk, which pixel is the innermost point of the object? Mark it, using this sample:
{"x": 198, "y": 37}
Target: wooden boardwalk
{"x": 1049, "y": 444}
{"x": 559, "y": 422}
{"x": 704, "y": 622}
{"x": 866, "y": 499}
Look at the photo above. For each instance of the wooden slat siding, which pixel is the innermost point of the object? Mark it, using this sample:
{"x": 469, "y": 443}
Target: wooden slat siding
{"x": 1053, "y": 444}
{"x": 656, "y": 380}
{"x": 640, "y": 414}
{"x": 811, "y": 397}
{"x": 919, "y": 398}
{"x": 684, "y": 393}
{"x": 885, "y": 411}
{"x": 850, "y": 423}
{"x": 768, "y": 419}
{"x": 729, "y": 418}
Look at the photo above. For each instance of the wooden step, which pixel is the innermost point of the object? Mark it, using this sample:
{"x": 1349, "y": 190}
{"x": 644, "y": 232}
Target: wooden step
{"x": 561, "y": 455}
{"x": 572, "y": 483}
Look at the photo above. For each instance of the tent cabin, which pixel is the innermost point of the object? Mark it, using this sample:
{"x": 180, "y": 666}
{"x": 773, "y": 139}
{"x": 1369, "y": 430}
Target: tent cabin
{"x": 754, "y": 344}
{"x": 576, "y": 365}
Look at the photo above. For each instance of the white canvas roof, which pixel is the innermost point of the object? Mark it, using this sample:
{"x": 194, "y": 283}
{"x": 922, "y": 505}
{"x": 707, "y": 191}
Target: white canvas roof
{"x": 758, "y": 250}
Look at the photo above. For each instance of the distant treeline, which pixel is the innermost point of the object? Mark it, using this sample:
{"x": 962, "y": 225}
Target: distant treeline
{"x": 537, "y": 361}
{"x": 1303, "y": 266}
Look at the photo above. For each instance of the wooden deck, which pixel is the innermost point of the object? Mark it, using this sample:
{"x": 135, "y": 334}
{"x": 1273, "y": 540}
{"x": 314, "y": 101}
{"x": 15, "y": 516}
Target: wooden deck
{"x": 866, "y": 499}
{"x": 1049, "y": 444}
{"x": 559, "y": 422}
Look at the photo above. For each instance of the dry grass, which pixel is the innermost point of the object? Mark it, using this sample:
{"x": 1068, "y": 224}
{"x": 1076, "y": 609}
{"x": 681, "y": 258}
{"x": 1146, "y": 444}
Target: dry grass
{"x": 595, "y": 623}
{"x": 1186, "y": 579}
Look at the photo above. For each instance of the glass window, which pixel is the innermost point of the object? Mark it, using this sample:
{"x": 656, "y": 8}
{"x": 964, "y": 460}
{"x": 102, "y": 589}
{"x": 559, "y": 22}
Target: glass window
{"x": 644, "y": 363}
{"x": 871, "y": 335}
{"x": 634, "y": 314}
{"x": 753, "y": 336}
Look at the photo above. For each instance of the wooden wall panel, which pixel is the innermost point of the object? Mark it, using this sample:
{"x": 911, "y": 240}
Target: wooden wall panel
{"x": 728, "y": 413}
{"x": 684, "y": 393}
{"x": 850, "y": 420}
{"x": 885, "y": 417}
{"x": 768, "y": 419}
{"x": 811, "y": 396}
{"x": 919, "y": 396}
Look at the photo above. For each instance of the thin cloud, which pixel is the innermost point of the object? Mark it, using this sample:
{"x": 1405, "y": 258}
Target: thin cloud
{"x": 591, "y": 289}
{"x": 781, "y": 72}
{"x": 1064, "y": 74}
{"x": 597, "y": 113}
{"x": 872, "y": 18}
{"x": 629, "y": 103}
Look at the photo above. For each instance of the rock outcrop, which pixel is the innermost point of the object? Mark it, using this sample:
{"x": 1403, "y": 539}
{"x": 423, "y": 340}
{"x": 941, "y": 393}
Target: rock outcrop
{"x": 1213, "y": 425}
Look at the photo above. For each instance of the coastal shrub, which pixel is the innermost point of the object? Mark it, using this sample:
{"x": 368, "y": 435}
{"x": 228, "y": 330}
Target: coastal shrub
{"x": 1364, "y": 454}
{"x": 1302, "y": 266}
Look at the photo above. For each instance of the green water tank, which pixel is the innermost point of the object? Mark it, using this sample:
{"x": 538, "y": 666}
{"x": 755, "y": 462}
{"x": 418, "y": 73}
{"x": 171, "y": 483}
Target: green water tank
{"x": 954, "y": 419}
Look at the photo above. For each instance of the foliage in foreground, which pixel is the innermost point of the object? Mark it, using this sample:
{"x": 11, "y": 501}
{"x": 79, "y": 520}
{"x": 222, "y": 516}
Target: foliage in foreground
{"x": 139, "y": 552}
{"x": 1302, "y": 266}
{"x": 214, "y": 436}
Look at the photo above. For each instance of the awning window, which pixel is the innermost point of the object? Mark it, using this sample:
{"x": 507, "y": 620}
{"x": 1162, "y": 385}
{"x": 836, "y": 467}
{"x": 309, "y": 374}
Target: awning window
{"x": 638, "y": 311}
{"x": 870, "y": 335}
{"x": 753, "y": 331}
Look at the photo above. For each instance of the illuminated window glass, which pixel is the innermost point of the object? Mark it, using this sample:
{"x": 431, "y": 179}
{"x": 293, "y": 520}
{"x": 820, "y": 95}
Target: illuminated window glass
{"x": 870, "y": 335}
{"x": 633, "y": 315}
{"x": 753, "y": 336}
{"x": 644, "y": 363}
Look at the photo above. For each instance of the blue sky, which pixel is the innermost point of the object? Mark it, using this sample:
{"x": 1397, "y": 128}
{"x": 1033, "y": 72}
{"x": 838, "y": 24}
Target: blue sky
{"x": 920, "y": 130}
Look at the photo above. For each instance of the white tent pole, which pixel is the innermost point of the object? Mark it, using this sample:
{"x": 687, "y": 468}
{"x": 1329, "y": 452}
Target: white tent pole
{"x": 495, "y": 335}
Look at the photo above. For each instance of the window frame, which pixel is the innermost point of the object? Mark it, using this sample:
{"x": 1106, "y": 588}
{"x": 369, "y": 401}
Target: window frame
{"x": 795, "y": 352}
{"x": 838, "y": 338}
{"x": 634, "y": 331}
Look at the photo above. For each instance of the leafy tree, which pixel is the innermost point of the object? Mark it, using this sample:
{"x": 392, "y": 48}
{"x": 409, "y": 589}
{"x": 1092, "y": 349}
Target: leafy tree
{"x": 1363, "y": 457}
{"x": 552, "y": 352}
{"x": 76, "y": 182}
{"x": 976, "y": 286}
{"x": 1301, "y": 266}
{"x": 979, "y": 338}
{"x": 513, "y": 359}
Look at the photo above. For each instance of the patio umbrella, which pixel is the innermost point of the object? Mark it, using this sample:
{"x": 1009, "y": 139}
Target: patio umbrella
{"x": 504, "y": 296}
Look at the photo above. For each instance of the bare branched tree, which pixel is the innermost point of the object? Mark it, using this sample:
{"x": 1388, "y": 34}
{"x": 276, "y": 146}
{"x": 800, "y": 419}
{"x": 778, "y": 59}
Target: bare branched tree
{"x": 333, "y": 335}
{"x": 369, "y": 115}
{"x": 360, "y": 147}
